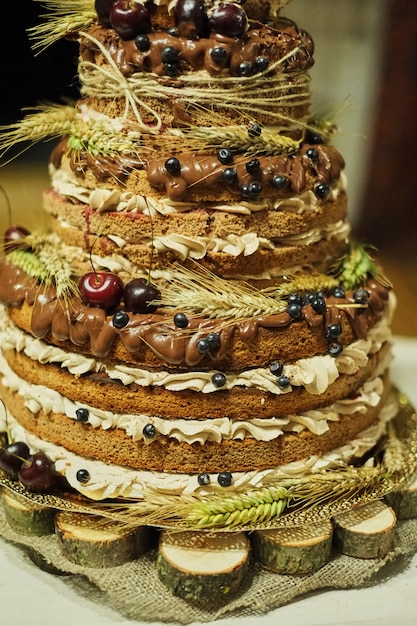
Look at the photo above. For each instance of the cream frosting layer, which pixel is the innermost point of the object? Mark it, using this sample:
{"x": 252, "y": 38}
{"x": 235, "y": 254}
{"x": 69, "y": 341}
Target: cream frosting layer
{"x": 40, "y": 398}
{"x": 315, "y": 374}
{"x": 112, "y": 481}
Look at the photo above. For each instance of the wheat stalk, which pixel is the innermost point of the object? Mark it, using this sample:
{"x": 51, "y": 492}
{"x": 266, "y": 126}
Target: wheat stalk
{"x": 65, "y": 17}
{"x": 353, "y": 269}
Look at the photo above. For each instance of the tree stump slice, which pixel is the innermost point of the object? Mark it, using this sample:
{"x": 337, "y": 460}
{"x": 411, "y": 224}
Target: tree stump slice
{"x": 404, "y": 501}
{"x": 85, "y": 540}
{"x": 297, "y": 550}
{"x": 28, "y": 518}
{"x": 199, "y": 565}
{"x": 365, "y": 532}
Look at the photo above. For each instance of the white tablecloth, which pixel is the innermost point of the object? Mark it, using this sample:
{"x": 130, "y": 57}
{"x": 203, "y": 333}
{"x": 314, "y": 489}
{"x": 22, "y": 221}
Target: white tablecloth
{"x": 31, "y": 597}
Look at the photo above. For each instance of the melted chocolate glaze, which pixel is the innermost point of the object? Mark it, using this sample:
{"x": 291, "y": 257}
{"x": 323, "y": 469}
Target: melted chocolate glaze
{"x": 195, "y": 54}
{"x": 202, "y": 172}
{"x": 71, "y": 320}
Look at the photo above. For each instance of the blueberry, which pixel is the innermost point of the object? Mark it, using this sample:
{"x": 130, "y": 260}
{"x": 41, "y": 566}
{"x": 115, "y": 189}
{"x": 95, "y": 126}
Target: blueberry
{"x": 322, "y": 191}
{"x": 218, "y": 379}
{"x": 172, "y": 69}
{"x": 313, "y": 154}
{"x": 219, "y": 54}
{"x": 308, "y": 298}
{"x": 254, "y": 130}
{"x": 83, "y": 476}
{"x": 180, "y": 320}
{"x": 214, "y": 341}
{"x": 252, "y": 166}
{"x": 335, "y": 348}
{"x": 174, "y": 33}
{"x": 295, "y": 298}
{"x": 169, "y": 54}
{"x": 294, "y": 310}
{"x": 203, "y": 346}
{"x": 142, "y": 43}
{"x": 261, "y": 64}
{"x": 225, "y": 156}
{"x": 361, "y": 296}
{"x": 224, "y": 479}
{"x": 81, "y": 415}
{"x": 313, "y": 137}
{"x": 279, "y": 182}
{"x": 283, "y": 382}
{"x": 149, "y": 431}
{"x": 334, "y": 331}
{"x": 203, "y": 479}
{"x": 276, "y": 368}
{"x": 318, "y": 304}
{"x": 339, "y": 292}
{"x": 245, "y": 69}
{"x": 120, "y": 319}
{"x": 173, "y": 166}
{"x": 229, "y": 175}
{"x": 251, "y": 190}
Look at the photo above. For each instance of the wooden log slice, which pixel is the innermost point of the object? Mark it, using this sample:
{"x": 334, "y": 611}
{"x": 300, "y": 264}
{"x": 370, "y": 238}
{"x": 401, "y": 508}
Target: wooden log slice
{"x": 365, "y": 532}
{"x": 88, "y": 541}
{"x": 26, "y": 517}
{"x": 296, "y": 550}
{"x": 202, "y": 565}
{"x": 404, "y": 501}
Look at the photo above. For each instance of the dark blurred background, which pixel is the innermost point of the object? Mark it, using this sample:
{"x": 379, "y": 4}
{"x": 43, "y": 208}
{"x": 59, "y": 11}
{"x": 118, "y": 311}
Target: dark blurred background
{"x": 27, "y": 79}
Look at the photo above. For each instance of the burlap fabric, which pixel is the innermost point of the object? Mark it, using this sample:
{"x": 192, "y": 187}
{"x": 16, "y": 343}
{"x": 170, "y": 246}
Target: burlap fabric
{"x": 136, "y": 592}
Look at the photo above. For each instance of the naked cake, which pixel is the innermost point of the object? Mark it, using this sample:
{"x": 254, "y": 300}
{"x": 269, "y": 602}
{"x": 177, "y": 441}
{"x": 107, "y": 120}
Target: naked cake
{"x": 197, "y": 320}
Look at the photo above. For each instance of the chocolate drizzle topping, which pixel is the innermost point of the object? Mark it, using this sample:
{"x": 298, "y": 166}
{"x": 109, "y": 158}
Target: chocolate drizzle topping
{"x": 70, "y": 320}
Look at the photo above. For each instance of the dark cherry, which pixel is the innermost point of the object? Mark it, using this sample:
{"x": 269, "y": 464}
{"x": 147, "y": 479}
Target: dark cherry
{"x": 229, "y": 19}
{"x": 103, "y": 8}
{"x": 225, "y": 479}
{"x": 12, "y": 458}
{"x": 37, "y": 473}
{"x": 83, "y": 476}
{"x": 138, "y": 294}
{"x": 180, "y": 320}
{"x": 191, "y": 19}
{"x": 13, "y": 237}
{"x": 203, "y": 479}
{"x": 218, "y": 379}
{"x": 101, "y": 289}
{"x": 130, "y": 18}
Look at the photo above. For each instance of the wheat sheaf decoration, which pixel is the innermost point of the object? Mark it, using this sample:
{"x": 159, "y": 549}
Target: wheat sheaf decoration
{"x": 284, "y": 502}
{"x": 356, "y": 266}
{"x": 64, "y": 17}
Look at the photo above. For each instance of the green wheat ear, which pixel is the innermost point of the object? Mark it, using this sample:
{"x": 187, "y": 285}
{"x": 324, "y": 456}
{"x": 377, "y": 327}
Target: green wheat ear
{"x": 353, "y": 269}
{"x": 30, "y": 264}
